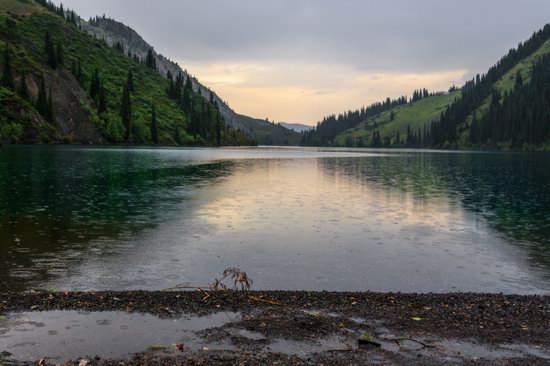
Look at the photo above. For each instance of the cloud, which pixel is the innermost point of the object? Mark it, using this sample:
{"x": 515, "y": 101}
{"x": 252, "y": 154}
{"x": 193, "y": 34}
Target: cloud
{"x": 255, "y": 44}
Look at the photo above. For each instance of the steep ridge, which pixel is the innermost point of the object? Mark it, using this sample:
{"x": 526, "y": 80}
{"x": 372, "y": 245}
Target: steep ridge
{"x": 114, "y": 32}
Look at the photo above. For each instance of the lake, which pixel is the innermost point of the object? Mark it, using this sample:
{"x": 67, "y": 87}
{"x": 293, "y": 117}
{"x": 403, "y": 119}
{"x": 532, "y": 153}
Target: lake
{"x": 80, "y": 218}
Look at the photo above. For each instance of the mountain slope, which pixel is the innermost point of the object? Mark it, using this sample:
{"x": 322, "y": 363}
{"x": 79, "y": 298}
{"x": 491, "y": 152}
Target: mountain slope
{"x": 481, "y": 114}
{"x": 115, "y": 32}
{"x": 413, "y": 115}
{"x": 298, "y": 127}
{"x": 506, "y": 84}
{"x": 69, "y": 109}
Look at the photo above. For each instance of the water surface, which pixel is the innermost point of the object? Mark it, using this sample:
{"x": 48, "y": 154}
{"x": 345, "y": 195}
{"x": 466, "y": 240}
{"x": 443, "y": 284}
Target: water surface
{"x": 294, "y": 218}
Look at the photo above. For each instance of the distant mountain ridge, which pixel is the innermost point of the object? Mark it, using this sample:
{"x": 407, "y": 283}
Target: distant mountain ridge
{"x": 113, "y": 31}
{"x": 298, "y": 127}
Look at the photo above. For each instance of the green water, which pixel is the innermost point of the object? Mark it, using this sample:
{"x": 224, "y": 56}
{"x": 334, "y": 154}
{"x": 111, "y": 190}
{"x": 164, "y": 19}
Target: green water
{"x": 293, "y": 218}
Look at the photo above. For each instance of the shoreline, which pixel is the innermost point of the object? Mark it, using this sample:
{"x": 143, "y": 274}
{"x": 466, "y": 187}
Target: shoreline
{"x": 426, "y": 322}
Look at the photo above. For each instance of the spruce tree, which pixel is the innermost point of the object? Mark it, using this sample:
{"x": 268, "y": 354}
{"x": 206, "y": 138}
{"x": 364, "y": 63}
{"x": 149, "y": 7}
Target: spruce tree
{"x": 126, "y": 112}
{"x": 150, "y": 61}
{"x": 219, "y": 131}
{"x": 154, "y": 126}
{"x": 130, "y": 81}
{"x": 102, "y": 105}
{"x": 7, "y": 75}
{"x": 50, "y": 51}
{"x": 47, "y": 42}
{"x": 95, "y": 84}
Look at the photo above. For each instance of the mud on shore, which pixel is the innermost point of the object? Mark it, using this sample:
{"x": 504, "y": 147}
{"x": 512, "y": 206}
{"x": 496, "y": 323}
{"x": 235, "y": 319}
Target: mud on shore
{"x": 312, "y": 328}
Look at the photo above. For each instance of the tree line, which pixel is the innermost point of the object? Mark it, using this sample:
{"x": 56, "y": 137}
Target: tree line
{"x": 330, "y": 127}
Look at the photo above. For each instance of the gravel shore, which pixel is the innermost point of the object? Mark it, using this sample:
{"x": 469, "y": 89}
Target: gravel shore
{"x": 338, "y": 328}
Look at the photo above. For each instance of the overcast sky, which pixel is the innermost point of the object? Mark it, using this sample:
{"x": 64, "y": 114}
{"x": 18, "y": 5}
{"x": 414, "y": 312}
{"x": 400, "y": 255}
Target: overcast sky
{"x": 298, "y": 60}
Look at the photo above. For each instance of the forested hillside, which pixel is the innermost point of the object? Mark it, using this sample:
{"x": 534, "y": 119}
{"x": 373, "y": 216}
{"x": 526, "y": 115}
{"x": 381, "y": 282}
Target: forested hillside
{"x": 129, "y": 41}
{"x": 508, "y": 107}
{"x": 60, "y": 84}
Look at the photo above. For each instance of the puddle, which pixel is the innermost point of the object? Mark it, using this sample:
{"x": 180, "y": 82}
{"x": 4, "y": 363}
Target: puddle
{"x": 471, "y": 350}
{"x": 60, "y": 336}
{"x": 306, "y": 348}
{"x": 460, "y": 349}
{"x": 65, "y": 335}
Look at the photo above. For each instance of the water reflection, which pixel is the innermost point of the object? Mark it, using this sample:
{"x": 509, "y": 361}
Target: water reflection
{"x": 508, "y": 190}
{"x": 314, "y": 219}
{"x": 59, "y": 206}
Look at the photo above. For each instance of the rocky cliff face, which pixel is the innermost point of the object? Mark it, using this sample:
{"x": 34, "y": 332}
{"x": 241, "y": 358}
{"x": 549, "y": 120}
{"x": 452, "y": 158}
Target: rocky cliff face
{"x": 73, "y": 122}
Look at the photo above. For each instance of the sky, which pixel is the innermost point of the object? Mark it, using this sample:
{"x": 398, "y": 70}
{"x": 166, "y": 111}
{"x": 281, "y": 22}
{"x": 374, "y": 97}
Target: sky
{"x": 299, "y": 60}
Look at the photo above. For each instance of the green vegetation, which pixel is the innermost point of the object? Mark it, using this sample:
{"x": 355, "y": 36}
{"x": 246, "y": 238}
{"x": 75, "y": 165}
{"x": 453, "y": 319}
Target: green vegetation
{"x": 41, "y": 43}
{"x": 414, "y": 115}
{"x": 508, "y": 107}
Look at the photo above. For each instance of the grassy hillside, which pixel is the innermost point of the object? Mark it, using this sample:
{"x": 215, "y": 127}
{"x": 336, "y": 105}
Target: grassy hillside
{"x": 23, "y": 25}
{"x": 509, "y": 112}
{"x": 422, "y": 112}
{"x": 415, "y": 115}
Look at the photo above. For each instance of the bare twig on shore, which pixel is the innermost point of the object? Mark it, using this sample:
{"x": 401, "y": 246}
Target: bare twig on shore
{"x": 240, "y": 279}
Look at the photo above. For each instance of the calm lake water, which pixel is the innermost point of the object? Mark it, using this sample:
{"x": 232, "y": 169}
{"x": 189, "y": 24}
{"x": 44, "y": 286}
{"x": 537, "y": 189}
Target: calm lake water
{"x": 292, "y": 218}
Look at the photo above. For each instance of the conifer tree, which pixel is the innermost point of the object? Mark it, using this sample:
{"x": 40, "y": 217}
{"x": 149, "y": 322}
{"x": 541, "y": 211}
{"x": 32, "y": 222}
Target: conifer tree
{"x": 187, "y": 93}
{"x": 7, "y": 75}
{"x": 50, "y": 51}
{"x": 95, "y": 84}
{"x": 126, "y": 112}
{"x": 150, "y": 61}
{"x": 102, "y": 105}
{"x": 130, "y": 81}
{"x": 47, "y": 42}
{"x": 219, "y": 131}
{"x": 154, "y": 126}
